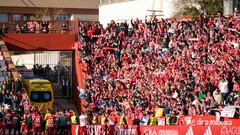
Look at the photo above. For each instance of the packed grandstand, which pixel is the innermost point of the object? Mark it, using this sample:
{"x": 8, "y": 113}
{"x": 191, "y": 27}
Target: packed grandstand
{"x": 142, "y": 72}
{"x": 186, "y": 67}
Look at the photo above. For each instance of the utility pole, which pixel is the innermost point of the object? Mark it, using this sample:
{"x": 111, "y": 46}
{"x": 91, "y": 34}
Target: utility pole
{"x": 153, "y": 11}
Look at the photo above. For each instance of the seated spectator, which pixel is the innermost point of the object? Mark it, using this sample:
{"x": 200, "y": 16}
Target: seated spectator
{"x": 65, "y": 27}
{"x": 31, "y": 27}
{"x": 18, "y": 29}
{"x": 24, "y": 28}
{"x": 45, "y": 25}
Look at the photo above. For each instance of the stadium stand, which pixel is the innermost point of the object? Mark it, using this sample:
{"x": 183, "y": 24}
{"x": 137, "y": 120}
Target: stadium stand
{"x": 149, "y": 72}
{"x": 186, "y": 67}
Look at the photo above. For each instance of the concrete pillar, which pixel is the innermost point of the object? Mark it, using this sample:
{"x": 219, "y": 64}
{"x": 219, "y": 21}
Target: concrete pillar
{"x": 228, "y": 7}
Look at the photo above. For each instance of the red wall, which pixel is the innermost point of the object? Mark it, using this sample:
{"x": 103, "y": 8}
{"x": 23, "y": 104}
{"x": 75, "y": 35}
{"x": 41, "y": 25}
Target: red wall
{"x": 79, "y": 82}
{"x": 39, "y": 42}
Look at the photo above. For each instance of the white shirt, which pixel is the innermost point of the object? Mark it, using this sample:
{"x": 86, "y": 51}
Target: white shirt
{"x": 83, "y": 120}
{"x": 217, "y": 97}
{"x": 223, "y": 86}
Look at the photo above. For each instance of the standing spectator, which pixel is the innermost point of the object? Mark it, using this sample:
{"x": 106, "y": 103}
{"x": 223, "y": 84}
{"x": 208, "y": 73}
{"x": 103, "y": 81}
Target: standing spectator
{"x": 9, "y": 121}
{"x": 2, "y": 124}
{"x": 69, "y": 115}
{"x": 8, "y": 98}
{"x": 136, "y": 120}
{"x": 15, "y": 103}
{"x": 29, "y": 122}
{"x": 16, "y": 123}
{"x": 1, "y": 97}
{"x": 17, "y": 87}
{"x": 74, "y": 119}
{"x": 51, "y": 120}
{"x": 217, "y": 96}
{"x": 37, "y": 120}
{"x": 63, "y": 119}
{"x": 24, "y": 129}
{"x": 83, "y": 123}
{"x": 223, "y": 86}
{"x": 1, "y": 31}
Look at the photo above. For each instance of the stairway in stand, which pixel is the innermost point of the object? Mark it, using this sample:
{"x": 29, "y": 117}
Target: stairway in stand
{"x": 5, "y": 59}
{"x": 8, "y": 60}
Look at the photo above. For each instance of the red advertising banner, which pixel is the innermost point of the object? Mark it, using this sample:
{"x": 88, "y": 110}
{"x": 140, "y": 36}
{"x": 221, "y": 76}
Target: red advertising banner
{"x": 207, "y": 121}
{"x": 158, "y": 130}
{"x": 188, "y": 125}
{"x": 163, "y": 130}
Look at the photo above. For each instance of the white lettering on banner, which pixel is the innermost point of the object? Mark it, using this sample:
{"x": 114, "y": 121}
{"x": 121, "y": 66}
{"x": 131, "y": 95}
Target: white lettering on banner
{"x": 151, "y": 131}
{"x": 126, "y": 131}
{"x": 188, "y": 120}
{"x": 221, "y": 123}
{"x": 201, "y": 122}
{"x": 99, "y": 130}
{"x": 95, "y": 130}
{"x": 189, "y": 131}
{"x": 230, "y": 130}
{"x": 208, "y": 131}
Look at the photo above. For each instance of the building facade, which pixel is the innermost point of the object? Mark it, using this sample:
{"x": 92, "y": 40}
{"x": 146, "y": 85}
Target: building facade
{"x": 19, "y": 11}
{"x": 121, "y": 10}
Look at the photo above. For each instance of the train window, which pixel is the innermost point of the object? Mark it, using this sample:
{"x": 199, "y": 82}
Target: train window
{"x": 47, "y": 96}
{"x": 35, "y": 97}
{"x": 40, "y": 96}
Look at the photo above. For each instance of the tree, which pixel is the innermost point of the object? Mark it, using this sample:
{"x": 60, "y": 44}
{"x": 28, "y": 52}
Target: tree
{"x": 46, "y": 13}
{"x": 197, "y": 7}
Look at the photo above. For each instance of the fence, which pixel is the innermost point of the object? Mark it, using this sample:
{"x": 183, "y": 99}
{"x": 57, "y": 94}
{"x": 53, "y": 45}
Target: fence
{"x": 54, "y": 27}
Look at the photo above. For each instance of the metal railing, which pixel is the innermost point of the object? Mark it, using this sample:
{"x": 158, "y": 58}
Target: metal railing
{"x": 105, "y": 2}
{"x": 53, "y": 27}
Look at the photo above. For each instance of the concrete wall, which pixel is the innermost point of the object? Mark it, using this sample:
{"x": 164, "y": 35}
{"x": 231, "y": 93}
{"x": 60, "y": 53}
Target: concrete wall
{"x": 134, "y": 9}
{"x": 89, "y": 4}
{"x": 39, "y": 58}
{"x": 83, "y": 17}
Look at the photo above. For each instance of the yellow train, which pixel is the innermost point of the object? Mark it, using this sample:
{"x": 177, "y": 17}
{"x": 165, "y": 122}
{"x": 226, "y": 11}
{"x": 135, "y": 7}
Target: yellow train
{"x": 40, "y": 93}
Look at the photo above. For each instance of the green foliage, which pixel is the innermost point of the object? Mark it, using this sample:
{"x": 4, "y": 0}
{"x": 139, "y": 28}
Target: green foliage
{"x": 211, "y": 7}
{"x": 197, "y": 7}
{"x": 190, "y": 11}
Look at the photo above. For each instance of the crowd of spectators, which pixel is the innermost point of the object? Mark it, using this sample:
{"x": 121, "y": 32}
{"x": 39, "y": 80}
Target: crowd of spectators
{"x": 40, "y": 27}
{"x": 59, "y": 73}
{"x": 32, "y": 26}
{"x": 187, "y": 67}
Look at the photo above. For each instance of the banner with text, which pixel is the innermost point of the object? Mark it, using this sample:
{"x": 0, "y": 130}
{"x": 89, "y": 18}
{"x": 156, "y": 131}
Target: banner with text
{"x": 158, "y": 130}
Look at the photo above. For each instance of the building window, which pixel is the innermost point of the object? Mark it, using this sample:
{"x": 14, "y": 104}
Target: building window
{"x": 16, "y": 17}
{"x": 26, "y": 18}
{"x": 63, "y": 17}
{"x": 3, "y": 17}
